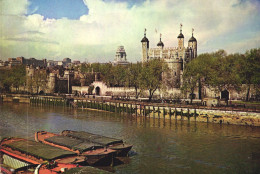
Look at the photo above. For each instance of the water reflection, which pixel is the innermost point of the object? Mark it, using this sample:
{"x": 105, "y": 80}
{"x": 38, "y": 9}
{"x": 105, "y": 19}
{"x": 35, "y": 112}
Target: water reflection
{"x": 160, "y": 145}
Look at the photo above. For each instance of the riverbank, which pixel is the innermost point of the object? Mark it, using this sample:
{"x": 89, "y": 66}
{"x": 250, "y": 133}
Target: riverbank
{"x": 220, "y": 115}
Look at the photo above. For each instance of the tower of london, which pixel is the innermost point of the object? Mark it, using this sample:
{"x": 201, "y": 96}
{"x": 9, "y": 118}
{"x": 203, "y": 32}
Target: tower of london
{"x": 175, "y": 57}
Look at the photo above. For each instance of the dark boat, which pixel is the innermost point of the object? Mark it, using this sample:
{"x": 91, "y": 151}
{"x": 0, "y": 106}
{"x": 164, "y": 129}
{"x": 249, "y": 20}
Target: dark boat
{"x": 86, "y": 169}
{"x": 18, "y": 152}
{"x": 121, "y": 148}
{"x": 95, "y": 154}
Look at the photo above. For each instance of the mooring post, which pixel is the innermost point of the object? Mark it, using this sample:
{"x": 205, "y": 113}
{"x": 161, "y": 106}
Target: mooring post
{"x": 188, "y": 114}
{"x": 195, "y": 114}
{"x": 153, "y": 112}
{"x": 175, "y": 112}
{"x": 158, "y": 112}
{"x": 136, "y": 109}
{"x": 163, "y": 112}
{"x": 181, "y": 113}
{"x": 170, "y": 112}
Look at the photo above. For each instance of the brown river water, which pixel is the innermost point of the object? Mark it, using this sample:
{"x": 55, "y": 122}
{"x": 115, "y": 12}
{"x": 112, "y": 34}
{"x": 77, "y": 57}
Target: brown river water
{"x": 160, "y": 146}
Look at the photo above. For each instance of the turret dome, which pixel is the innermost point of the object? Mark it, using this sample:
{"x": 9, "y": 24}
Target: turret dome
{"x": 160, "y": 43}
{"x": 145, "y": 39}
{"x": 180, "y": 35}
{"x": 192, "y": 39}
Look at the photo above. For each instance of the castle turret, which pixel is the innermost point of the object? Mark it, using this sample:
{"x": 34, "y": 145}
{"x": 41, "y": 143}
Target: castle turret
{"x": 145, "y": 48}
{"x": 192, "y": 44}
{"x": 160, "y": 43}
{"x": 180, "y": 39}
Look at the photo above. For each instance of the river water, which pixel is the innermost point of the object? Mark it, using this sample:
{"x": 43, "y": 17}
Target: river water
{"x": 160, "y": 146}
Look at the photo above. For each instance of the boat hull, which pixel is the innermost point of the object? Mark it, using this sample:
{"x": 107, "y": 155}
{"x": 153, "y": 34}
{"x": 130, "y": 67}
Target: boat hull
{"x": 121, "y": 148}
{"x": 96, "y": 157}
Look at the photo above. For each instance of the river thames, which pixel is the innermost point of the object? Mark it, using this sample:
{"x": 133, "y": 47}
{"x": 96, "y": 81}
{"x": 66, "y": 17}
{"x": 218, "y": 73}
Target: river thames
{"x": 160, "y": 146}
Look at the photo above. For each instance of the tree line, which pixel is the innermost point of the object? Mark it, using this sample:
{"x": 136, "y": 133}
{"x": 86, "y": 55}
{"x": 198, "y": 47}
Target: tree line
{"x": 221, "y": 71}
{"x": 15, "y": 76}
{"x": 146, "y": 76}
{"x": 217, "y": 70}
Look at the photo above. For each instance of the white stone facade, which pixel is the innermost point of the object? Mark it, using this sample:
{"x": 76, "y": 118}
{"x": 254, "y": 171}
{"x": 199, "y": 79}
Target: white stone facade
{"x": 175, "y": 57}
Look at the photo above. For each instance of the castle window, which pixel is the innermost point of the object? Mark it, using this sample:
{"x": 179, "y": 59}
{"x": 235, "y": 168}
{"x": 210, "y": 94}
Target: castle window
{"x": 175, "y": 73}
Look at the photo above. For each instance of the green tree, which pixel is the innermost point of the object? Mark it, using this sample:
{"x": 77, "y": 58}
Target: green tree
{"x": 249, "y": 69}
{"x": 133, "y": 77}
{"x": 192, "y": 76}
{"x": 151, "y": 76}
{"x": 119, "y": 74}
{"x": 223, "y": 74}
{"x": 18, "y": 76}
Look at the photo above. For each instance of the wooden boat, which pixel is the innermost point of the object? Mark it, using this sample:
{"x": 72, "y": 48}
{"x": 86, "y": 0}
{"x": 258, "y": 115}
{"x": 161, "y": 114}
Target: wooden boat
{"x": 54, "y": 168}
{"x": 18, "y": 152}
{"x": 95, "y": 154}
{"x": 46, "y": 168}
{"x": 121, "y": 148}
{"x": 86, "y": 169}
{"x": 4, "y": 170}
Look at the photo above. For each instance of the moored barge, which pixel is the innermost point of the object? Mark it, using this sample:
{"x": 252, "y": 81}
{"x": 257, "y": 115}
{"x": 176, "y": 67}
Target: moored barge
{"x": 95, "y": 154}
{"x": 31, "y": 152}
{"x": 121, "y": 148}
{"x": 21, "y": 154}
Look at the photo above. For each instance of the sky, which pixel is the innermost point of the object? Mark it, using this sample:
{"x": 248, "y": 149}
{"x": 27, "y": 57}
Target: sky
{"x": 91, "y": 30}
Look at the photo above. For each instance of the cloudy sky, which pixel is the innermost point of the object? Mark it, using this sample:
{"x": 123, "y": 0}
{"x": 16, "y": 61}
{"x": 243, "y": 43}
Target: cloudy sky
{"x": 92, "y": 30}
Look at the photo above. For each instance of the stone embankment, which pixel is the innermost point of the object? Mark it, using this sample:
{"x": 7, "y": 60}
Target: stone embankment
{"x": 151, "y": 110}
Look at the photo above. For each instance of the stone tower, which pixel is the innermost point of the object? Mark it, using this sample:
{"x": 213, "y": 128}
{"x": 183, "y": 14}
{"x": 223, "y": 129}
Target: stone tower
{"x": 120, "y": 54}
{"x": 145, "y": 48}
{"x": 180, "y": 39}
{"x": 52, "y": 83}
{"x": 192, "y": 45}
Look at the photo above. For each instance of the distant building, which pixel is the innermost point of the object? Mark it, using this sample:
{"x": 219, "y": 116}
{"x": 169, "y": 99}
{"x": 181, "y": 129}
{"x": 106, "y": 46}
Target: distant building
{"x": 13, "y": 62}
{"x": 76, "y": 62}
{"x": 120, "y": 57}
{"x": 65, "y": 63}
{"x": 30, "y": 62}
{"x": 3, "y": 63}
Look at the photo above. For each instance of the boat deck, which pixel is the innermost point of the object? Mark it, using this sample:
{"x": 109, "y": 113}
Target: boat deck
{"x": 36, "y": 149}
{"x": 85, "y": 136}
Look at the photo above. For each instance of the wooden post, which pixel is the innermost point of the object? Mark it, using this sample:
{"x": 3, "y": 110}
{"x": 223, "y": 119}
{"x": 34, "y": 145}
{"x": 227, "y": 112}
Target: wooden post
{"x": 163, "y": 112}
{"x": 195, "y": 114}
{"x": 158, "y": 112}
{"x": 188, "y": 114}
{"x": 170, "y": 113}
{"x": 153, "y": 112}
{"x": 175, "y": 112}
{"x": 181, "y": 114}
{"x": 136, "y": 109}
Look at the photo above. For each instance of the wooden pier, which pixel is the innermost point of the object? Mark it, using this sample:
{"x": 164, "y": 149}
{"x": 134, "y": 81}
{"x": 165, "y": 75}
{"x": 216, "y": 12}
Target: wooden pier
{"x": 150, "y": 110}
